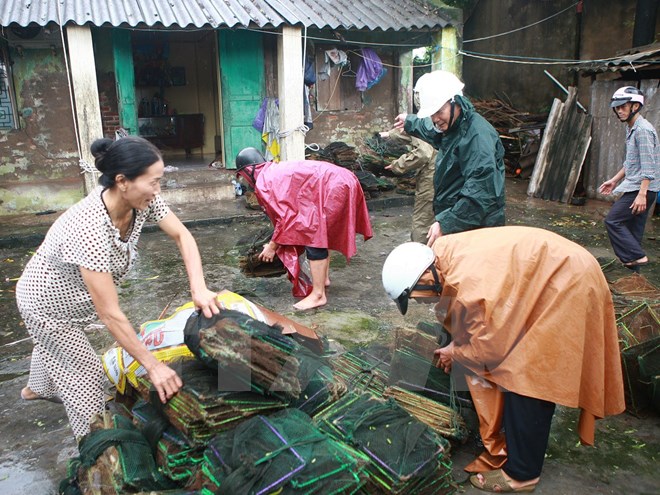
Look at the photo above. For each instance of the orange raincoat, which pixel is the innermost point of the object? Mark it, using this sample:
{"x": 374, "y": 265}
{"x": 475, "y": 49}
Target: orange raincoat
{"x": 529, "y": 312}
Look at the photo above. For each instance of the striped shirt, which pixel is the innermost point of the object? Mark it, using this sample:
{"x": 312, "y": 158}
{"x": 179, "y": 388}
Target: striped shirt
{"x": 642, "y": 158}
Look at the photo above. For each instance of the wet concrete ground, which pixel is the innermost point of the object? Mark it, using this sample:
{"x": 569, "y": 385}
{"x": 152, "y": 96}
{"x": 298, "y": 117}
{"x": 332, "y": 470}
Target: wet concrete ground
{"x": 37, "y": 440}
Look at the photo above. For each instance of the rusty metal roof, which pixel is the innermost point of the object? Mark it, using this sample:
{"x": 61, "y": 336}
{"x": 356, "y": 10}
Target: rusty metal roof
{"x": 639, "y": 58}
{"x": 383, "y": 15}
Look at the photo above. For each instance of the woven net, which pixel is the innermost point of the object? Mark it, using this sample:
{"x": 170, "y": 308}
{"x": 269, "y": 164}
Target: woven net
{"x": 406, "y": 455}
{"x": 282, "y": 453}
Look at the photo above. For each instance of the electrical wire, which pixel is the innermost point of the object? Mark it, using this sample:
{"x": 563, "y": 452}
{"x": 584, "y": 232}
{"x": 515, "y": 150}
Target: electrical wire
{"x": 523, "y": 27}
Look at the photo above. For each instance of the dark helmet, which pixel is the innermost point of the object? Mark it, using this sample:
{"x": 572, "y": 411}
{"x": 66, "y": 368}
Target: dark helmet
{"x": 249, "y": 156}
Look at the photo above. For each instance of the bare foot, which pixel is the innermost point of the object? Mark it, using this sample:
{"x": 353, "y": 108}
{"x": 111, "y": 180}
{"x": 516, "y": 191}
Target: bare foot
{"x": 311, "y": 301}
{"x": 327, "y": 282}
{"x": 28, "y": 394}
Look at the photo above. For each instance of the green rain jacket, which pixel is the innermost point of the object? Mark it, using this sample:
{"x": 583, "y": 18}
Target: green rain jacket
{"x": 469, "y": 170}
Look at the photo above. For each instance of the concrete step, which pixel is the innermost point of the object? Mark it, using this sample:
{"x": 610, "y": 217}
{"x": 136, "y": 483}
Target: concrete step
{"x": 196, "y": 184}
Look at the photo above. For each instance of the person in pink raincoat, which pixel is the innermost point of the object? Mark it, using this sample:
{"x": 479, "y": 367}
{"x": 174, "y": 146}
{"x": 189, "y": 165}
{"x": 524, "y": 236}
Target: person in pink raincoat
{"x": 314, "y": 206}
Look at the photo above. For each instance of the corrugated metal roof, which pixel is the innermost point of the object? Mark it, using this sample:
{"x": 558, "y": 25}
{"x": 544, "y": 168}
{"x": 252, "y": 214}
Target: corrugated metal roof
{"x": 348, "y": 14}
{"x": 645, "y": 57}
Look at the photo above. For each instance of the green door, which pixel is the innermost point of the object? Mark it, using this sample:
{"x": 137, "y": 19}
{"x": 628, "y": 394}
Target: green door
{"x": 242, "y": 79}
{"x": 122, "y": 51}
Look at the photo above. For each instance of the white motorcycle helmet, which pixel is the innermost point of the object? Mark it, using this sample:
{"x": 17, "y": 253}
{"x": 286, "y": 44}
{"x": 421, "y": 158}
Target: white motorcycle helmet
{"x": 627, "y": 94}
{"x": 434, "y": 89}
{"x": 402, "y": 270}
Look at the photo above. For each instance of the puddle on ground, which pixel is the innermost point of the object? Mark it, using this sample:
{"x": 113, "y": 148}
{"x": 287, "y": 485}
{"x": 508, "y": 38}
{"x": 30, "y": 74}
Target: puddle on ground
{"x": 19, "y": 478}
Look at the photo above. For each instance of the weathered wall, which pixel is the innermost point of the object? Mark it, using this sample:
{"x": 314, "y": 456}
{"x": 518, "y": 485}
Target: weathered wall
{"x": 525, "y": 85}
{"x": 606, "y": 28}
{"x": 39, "y": 162}
{"x": 377, "y": 112}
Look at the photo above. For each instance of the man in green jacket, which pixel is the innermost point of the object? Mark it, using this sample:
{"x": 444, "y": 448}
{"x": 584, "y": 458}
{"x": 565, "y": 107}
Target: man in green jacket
{"x": 469, "y": 168}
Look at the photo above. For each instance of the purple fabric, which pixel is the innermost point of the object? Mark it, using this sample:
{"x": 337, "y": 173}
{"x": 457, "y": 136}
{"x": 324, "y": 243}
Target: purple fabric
{"x": 371, "y": 70}
{"x": 258, "y": 122}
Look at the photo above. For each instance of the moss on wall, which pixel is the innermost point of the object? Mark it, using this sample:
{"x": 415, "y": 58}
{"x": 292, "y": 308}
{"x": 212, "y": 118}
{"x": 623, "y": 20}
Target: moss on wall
{"x": 39, "y": 161}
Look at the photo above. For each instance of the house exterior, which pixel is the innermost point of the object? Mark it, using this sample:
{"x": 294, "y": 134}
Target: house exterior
{"x": 191, "y": 76}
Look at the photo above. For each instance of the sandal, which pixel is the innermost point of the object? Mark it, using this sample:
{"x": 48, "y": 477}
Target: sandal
{"x": 494, "y": 481}
{"x": 640, "y": 262}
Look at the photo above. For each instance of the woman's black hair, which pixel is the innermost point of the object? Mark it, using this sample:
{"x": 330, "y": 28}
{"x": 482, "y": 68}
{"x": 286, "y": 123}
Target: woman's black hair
{"x": 129, "y": 156}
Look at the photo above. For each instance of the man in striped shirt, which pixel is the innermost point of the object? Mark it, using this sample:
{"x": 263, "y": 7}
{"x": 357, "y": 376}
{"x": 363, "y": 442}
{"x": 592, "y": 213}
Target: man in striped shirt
{"x": 641, "y": 180}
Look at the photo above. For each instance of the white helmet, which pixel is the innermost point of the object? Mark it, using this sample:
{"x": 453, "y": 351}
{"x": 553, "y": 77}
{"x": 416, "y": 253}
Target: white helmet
{"x": 403, "y": 268}
{"x": 627, "y": 94}
{"x": 435, "y": 89}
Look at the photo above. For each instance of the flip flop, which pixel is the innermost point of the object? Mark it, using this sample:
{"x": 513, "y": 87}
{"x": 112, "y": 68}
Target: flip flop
{"x": 494, "y": 481}
{"x": 54, "y": 399}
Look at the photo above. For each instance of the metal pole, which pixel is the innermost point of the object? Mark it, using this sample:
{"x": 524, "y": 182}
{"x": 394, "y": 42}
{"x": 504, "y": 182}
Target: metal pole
{"x": 563, "y": 89}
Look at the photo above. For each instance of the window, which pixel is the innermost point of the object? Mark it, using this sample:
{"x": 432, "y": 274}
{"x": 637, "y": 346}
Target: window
{"x": 8, "y": 118}
{"x": 335, "y": 82}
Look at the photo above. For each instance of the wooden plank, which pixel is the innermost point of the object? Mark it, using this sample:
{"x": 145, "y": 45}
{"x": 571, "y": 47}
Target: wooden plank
{"x": 578, "y": 160}
{"x": 86, "y": 95}
{"x": 328, "y": 94}
{"x": 559, "y": 150}
{"x": 290, "y": 90}
{"x": 541, "y": 162}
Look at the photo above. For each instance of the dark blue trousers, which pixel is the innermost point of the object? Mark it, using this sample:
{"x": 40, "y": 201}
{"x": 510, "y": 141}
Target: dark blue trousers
{"x": 627, "y": 230}
{"x": 526, "y": 430}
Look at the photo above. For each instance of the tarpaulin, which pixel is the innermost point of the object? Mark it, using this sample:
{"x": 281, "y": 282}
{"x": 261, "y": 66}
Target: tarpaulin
{"x": 310, "y": 203}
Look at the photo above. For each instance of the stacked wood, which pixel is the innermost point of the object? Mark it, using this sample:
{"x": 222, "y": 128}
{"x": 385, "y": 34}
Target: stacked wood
{"x": 563, "y": 150}
{"x": 518, "y": 131}
{"x": 341, "y": 154}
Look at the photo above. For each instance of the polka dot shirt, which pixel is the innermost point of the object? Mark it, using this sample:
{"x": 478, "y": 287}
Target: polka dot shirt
{"x": 52, "y": 288}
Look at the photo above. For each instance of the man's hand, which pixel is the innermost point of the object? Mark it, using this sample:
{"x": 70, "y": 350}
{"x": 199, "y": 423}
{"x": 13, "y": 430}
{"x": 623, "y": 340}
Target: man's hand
{"x": 607, "y": 187}
{"x": 268, "y": 253}
{"x": 434, "y": 232}
{"x": 400, "y": 120}
{"x": 639, "y": 205}
{"x": 445, "y": 357}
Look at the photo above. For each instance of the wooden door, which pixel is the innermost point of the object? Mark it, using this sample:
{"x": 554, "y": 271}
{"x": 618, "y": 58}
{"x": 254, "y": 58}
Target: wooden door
{"x": 122, "y": 51}
{"x": 242, "y": 80}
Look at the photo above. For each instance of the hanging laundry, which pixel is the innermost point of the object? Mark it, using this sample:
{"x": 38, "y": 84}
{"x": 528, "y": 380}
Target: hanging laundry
{"x": 258, "y": 122}
{"x": 307, "y": 109}
{"x": 271, "y": 130}
{"x": 332, "y": 57}
{"x": 371, "y": 70}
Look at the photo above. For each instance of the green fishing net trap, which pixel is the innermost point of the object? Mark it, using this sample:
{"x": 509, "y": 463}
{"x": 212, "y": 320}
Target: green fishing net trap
{"x": 261, "y": 413}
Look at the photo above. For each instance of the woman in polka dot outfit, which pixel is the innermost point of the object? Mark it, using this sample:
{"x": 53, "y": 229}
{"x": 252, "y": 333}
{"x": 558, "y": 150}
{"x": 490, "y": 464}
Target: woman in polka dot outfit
{"x": 72, "y": 279}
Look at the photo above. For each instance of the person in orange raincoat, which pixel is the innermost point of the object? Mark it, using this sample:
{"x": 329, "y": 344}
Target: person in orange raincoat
{"x": 532, "y": 322}
{"x": 314, "y": 206}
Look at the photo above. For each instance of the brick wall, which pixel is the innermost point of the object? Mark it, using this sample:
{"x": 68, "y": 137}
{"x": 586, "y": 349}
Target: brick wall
{"x": 109, "y": 106}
